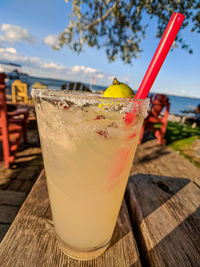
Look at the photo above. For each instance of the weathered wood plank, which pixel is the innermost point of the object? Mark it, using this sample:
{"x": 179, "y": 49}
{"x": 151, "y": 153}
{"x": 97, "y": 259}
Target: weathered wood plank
{"x": 152, "y": 158}
{"x": 3, "y": 230}
{"x": 12, "y": 198}
{"x": 30, "y": 240}
{"x": 166, "y": 214}
{"x": 164, "y": 206}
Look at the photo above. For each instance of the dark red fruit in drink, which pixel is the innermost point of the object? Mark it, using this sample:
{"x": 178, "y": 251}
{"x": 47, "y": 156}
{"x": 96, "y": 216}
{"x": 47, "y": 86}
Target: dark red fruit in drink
{"x": 102, "y": 133}
{"x": 100, "y": 117}
{"x": 63, "y": 106}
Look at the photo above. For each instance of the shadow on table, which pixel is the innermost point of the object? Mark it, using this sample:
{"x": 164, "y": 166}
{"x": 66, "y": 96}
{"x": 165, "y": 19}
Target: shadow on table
{"x": 155, "y": 189}
{"x": 181, "y": 246}
{"x": 165, "y": 214}
{"x": 155, "y": 151}
{"x": 123, "y": 225}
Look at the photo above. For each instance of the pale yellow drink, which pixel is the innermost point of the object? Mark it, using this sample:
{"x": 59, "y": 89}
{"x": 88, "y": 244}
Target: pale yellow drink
{"x": 88, "y": 151}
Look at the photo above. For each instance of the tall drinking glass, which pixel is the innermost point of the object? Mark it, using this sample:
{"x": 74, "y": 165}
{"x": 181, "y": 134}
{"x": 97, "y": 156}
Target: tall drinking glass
{"x": 88, "y": 149}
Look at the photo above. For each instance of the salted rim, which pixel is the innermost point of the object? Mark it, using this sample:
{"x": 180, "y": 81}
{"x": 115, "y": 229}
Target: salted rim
{"x": 84, "y": 96}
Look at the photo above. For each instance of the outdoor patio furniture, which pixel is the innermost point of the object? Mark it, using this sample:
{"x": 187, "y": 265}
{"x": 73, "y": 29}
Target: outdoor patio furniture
{"x": 39, "y": 85}
{"x": 158, "y": 223}
{"x": 156, "y": 121}
{"x": 20, "y": 92}
{"x": 77, "y": 86}
{"x": 193, "y": 118}
{"x": 12, "y": 127}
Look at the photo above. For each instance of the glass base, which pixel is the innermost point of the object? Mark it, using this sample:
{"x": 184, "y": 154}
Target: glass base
{"x": 82, "y": 254}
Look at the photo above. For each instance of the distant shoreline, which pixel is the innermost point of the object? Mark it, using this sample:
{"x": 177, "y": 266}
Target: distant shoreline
{"x": 193, "y": 97}
{"x": 177, "y": 103}
{"x": 104, "y": 86}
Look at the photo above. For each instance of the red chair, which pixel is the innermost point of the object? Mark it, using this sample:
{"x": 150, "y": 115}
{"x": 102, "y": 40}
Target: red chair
{"x": 12, "y": 126}
{"x": 155, "y": 122}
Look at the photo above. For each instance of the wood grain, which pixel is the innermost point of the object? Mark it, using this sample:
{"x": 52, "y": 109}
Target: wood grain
{"x": 31, "y": 242}
{"x": 152, "y": 158}
{"x": 165, "y": 212}
{"x": 163, "y": 199}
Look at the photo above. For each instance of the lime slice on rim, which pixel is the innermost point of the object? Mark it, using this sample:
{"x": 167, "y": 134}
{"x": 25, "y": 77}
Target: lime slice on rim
{"x": 118, "y": 90}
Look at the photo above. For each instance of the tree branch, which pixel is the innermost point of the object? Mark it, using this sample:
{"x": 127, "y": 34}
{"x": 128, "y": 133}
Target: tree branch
{"x": 101, "y": 18}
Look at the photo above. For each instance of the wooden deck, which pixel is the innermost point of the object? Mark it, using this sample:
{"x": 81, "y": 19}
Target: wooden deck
{"x": 163, "y": 199}
{"x": 158, "y": 223}
{"x": 16, "y": 183}
{"x": 152, "y": 158}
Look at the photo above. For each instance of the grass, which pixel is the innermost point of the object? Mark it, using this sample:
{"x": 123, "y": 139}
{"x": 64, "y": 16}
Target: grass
{"x": 183, "y": 144}
{"x": 181, "y": 137}
{"x": 177, "y": 131}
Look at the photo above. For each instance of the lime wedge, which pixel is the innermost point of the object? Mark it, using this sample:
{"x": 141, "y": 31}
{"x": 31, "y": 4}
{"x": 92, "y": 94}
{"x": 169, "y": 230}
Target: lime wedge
{"x": 119, "y": 90}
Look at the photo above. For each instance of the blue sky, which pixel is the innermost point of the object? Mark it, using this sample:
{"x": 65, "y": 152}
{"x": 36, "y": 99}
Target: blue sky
{"x": 27, "y": 28}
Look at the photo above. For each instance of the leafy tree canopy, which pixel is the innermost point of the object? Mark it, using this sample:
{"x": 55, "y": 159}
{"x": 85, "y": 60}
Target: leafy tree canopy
{"x": 117, "y": 26}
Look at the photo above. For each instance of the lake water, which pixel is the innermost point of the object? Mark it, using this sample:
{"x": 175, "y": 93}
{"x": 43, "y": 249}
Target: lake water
{"x": 177, "y": 103}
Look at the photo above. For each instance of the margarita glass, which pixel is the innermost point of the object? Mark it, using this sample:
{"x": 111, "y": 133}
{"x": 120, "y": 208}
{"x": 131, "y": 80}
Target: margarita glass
{"x": 88, "y": 149}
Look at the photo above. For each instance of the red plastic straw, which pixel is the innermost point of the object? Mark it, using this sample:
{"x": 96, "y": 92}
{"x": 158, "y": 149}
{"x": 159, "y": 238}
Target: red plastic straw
{"x": 161, "y": 52}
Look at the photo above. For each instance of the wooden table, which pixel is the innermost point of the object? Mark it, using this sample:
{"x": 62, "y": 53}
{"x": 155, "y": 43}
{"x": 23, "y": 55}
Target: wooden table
{"x": 158, "y": 225}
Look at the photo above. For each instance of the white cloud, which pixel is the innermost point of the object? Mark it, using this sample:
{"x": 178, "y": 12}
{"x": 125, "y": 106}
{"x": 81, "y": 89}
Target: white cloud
{"x": 51, "y": 69}
{"x": 183, "y": 91}
{"x": 90, "y": 70}
{"x": 10, "y": 50}
{"x": 2, "y": 39}
{"x": 13, "y": 33}
{"x": 100, "y": 76}
{"x": 110, "y": 78}
{"x": 83, "y": 70}
{"x": 52, "y": 65}
{"x": 51, "y": 40}
{"x": 44, "y": 68}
